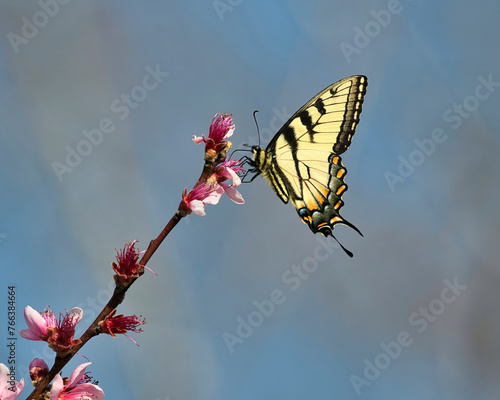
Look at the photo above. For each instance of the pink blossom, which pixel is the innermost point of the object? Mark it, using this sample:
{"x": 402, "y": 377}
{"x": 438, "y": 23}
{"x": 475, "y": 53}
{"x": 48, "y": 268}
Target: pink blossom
{"x": 38, "y": 370}
{"x": 128, "y": 263}
{"x": 9, "y": 388}
{"x": 58, "y": 332}
{"x": 200, "y": 195}
{"x": 221, "y": 128}
{"x": 37, "y": 323}
{"x": 77, "y": 387}
{"x": 229, "y": 169}
{"x": 120, "y": 324}
{"x": 211, "y": 190}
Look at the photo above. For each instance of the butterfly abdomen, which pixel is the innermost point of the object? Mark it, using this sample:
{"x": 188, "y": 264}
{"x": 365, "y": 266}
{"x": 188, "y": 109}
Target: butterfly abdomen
{"x": 263, "y": 162}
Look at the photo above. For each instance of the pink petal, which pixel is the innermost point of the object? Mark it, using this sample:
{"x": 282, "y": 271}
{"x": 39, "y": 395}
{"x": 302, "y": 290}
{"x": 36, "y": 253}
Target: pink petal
{"x": 230, "y": 174}
{"x": 233, "y": 194}
{"x": 198, "y": 139}
{"x": 4, "y": 371}
{"x": 197, "y": 206}
{"x": 36, "y": 325}
{"x": 57, "y": 387}
{"x": 38, "y": 362}
{"x": 76, "y": 314}
{"x": 214, "y": 197}
{"x": 10, "y": 395}
{"x": 34, "y": 319}
{"x": 77, "y": 374}
{"x": 86, "y": 391}
{"x": 29, "y": 334}
{"x": 229, "y": 132}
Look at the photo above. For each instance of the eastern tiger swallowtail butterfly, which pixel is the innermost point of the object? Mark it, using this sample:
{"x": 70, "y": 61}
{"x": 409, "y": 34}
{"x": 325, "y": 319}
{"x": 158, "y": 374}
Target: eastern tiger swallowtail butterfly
{"x": 302, "y": 162}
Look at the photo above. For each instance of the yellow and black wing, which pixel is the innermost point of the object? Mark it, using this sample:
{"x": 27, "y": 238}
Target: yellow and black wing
{"x": 302, "y": 162}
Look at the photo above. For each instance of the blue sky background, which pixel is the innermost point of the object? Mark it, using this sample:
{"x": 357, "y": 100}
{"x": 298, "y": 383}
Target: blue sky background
{"x": 438, "y": 222}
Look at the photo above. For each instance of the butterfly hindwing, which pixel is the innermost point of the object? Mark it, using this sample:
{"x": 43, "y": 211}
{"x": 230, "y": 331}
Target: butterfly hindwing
{"x": 302, "y": 162}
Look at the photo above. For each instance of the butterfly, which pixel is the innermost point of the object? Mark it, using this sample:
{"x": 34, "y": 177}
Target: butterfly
{"x": 302, "y": 162}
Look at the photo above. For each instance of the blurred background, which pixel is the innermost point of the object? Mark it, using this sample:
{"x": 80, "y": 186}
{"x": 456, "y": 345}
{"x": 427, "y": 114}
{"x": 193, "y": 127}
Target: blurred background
{"x": 413, "y": 315}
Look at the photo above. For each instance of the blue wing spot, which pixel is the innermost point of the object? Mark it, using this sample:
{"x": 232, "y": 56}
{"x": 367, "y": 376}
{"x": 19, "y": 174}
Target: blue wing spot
{"x": 304, "y": 212}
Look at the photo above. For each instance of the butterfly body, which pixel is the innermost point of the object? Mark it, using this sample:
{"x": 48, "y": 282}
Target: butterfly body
{"x": 302, "y": 162}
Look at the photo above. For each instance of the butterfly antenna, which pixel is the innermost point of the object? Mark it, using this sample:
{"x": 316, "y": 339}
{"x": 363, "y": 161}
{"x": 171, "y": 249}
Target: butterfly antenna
{"x": 256, "y": 124}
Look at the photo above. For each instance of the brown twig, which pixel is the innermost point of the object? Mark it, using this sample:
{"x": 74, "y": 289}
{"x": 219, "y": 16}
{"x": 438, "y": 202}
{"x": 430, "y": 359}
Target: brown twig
{"x": 120, "y": 290}
{"x": 115, "y": 300}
